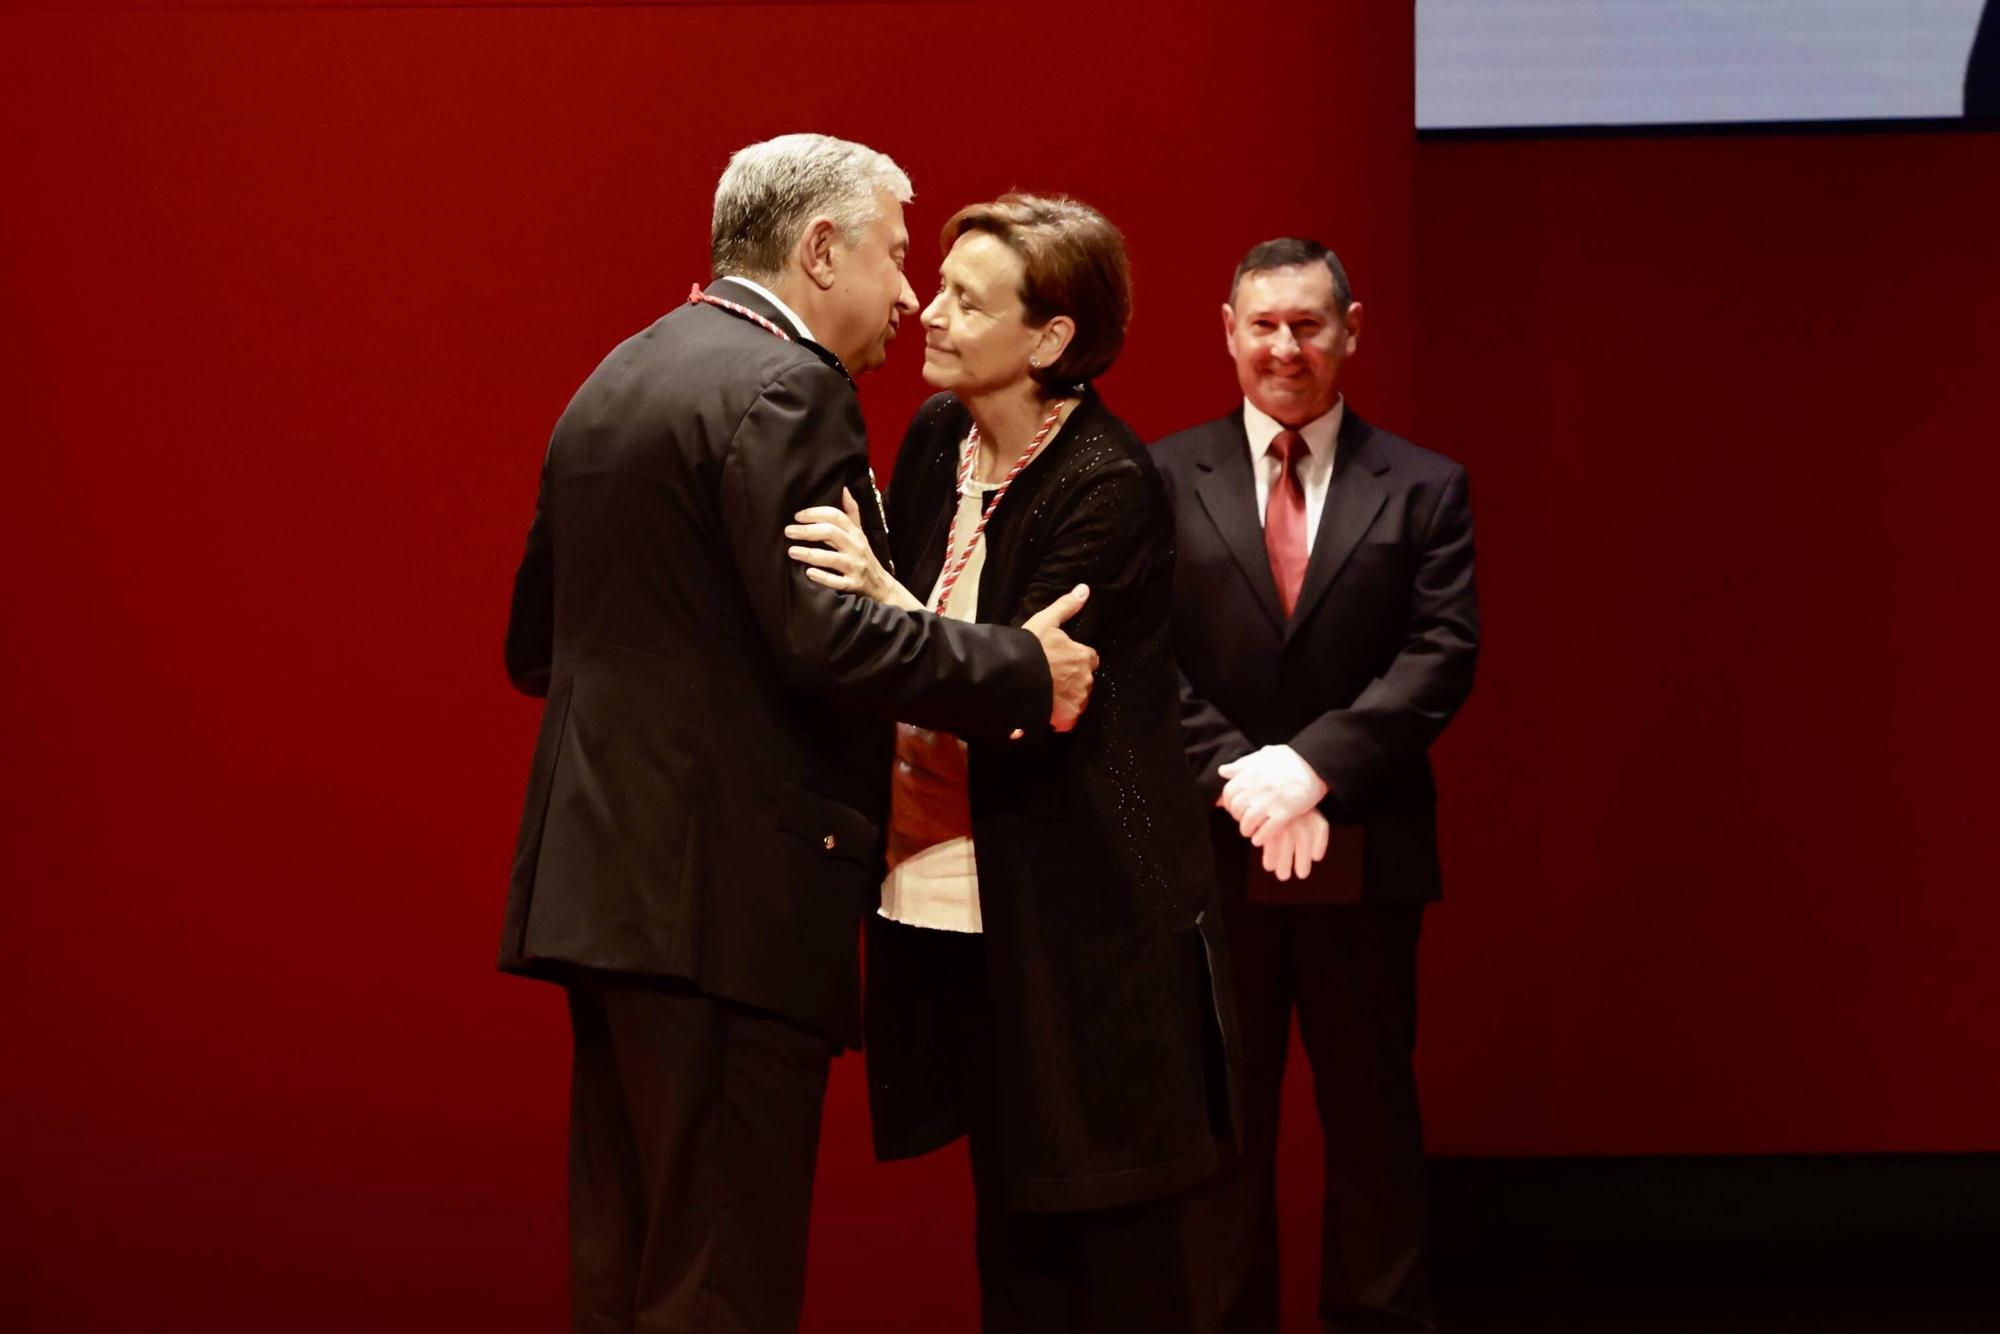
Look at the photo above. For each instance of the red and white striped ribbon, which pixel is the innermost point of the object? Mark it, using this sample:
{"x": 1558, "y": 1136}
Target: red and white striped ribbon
{"x": 698, "y": 297}
{"x": 953, "y": 570}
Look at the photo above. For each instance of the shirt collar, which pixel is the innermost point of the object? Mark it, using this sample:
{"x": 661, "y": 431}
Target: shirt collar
{"x": 798, "y": 325}
{"x": 1320, "y": 433}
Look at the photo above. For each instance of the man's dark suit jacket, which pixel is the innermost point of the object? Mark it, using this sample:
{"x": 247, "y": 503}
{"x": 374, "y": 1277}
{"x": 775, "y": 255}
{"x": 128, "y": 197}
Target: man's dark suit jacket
{"x": 709, "y": 786}
{"x": 1374, "y": 660}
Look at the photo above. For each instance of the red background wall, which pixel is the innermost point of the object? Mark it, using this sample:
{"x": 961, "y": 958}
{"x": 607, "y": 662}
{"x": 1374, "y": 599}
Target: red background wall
{"x": 1721, "y": 817}
{"x": 292, "y": 296}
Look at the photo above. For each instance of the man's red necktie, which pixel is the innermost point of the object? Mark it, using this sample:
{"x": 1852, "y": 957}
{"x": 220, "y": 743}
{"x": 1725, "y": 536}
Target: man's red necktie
{"x": 1285, "y": 518}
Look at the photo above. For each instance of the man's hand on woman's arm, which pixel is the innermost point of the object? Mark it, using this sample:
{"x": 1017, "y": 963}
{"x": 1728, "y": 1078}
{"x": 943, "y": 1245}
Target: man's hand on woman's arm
{"x": 847, "y": 564}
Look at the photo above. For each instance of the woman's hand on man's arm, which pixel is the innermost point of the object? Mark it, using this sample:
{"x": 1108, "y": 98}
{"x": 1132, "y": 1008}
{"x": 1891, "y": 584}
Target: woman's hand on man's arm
{"x": 845, "y": 562}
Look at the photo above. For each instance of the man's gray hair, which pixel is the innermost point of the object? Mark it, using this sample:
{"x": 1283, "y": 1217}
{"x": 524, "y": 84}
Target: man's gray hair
{"x": 771, "y": 190}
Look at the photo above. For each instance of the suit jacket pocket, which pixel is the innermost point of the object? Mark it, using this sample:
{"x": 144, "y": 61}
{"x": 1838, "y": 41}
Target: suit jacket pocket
{"x": 841, "y": 832}
{"x": 1389, "y": 559}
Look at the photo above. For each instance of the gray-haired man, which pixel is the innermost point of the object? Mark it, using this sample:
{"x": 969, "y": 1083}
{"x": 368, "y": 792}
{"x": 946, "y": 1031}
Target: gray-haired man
{"x": 704, "y": 810}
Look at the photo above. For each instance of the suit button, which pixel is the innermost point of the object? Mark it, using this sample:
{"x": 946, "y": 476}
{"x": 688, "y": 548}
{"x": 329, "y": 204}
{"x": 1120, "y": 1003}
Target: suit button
{"x": 828, "y": 842}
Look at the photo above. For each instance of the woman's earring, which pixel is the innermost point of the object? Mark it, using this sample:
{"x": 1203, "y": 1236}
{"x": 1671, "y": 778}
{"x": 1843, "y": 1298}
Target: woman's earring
{"x": 1035, "y": 362}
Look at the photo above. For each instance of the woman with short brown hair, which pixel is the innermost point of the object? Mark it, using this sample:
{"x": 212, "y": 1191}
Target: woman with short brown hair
{"x": 1039, "y": 975}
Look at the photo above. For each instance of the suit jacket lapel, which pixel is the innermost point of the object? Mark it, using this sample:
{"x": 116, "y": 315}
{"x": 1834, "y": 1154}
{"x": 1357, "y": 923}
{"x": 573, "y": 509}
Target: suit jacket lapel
{"x": 1354, "y": 497}
{"x": 827, "y": 357}
{"x": 1229, "y": 495}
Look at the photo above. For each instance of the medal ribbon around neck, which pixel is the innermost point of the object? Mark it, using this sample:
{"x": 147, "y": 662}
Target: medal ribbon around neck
{"x": 697, "y": 297}
{"x": 953, "y": 570}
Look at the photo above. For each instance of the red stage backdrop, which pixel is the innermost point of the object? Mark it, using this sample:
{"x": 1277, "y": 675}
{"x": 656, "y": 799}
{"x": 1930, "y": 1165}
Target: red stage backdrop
{"x": 293, "y": 295}
{"x": 1720, "y": 819}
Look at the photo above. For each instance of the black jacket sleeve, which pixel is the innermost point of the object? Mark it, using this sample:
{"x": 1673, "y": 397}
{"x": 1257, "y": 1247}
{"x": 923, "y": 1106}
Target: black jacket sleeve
{"x": 1113, "y": 535}
{"x": 1211, "y": 741}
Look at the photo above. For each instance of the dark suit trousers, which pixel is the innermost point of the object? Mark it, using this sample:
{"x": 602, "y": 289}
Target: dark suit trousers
{"x": 694, "y": 1127}
{"x": 1101, "y": 1271}
{"x": 1351, "y": 971}
{"x": 1142, "y": 1267}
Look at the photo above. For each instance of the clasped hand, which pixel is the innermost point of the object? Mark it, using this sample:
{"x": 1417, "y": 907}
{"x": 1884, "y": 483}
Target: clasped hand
{"x": 1274, "y": 795}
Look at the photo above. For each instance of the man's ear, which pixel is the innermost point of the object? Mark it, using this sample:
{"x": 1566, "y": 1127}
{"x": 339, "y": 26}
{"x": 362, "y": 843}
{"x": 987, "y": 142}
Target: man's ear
{"x": 1229, "y": 327}
{"x": 815, "y": 251}
{"x": 1352, "y": 319}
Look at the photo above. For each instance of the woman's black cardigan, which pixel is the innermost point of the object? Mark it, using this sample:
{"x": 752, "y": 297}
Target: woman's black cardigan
{"x": 1095, "y": 885}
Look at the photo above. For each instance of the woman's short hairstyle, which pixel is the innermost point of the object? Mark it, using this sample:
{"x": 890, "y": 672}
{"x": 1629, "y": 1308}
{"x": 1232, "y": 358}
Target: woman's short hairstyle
{"x": 1073, "y": 263}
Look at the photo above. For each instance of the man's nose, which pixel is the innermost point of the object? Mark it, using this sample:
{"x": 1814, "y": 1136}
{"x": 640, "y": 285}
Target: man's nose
{"x": 907, "y": 300}
{"x": 1283, "y": 345}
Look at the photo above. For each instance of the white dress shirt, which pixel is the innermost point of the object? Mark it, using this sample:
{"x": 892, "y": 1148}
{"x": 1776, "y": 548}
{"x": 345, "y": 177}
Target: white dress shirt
{"x": 798, "y": 325}
{"x": 938, "y": 887}
{"x": 1321, "y": 434}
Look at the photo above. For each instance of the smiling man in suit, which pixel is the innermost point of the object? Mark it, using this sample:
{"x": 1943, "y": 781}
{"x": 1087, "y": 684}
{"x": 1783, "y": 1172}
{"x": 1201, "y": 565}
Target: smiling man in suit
{"x": 703, "y": 831}
{"x": 1327, "y": 627}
